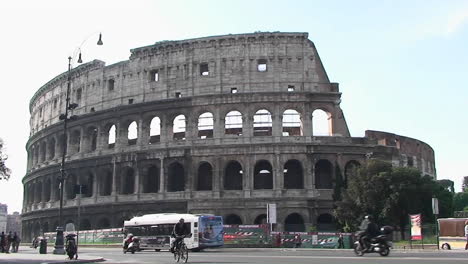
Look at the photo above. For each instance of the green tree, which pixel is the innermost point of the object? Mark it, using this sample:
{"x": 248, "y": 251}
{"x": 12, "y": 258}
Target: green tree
{"x": 460, "y": 201}
{"x": 4, "y": 170}
{"x": 390, "y": 194}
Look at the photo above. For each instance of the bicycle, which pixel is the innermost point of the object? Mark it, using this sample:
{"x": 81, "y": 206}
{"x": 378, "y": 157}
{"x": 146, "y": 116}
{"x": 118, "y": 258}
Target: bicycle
{"x": 181, "y": 251}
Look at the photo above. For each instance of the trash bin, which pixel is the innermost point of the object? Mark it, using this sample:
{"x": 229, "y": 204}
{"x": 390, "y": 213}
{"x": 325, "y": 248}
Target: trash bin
{"x": 43, "y": 246}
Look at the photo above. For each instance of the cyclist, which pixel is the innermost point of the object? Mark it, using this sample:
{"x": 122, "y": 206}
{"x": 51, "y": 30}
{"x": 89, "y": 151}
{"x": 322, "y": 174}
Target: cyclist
{"x": 179, "y": 231}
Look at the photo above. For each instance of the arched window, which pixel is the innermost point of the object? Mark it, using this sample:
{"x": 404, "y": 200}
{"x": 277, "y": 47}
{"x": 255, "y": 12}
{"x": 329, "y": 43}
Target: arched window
{"x": 263, "y": 175}
{"x": 132, "y": 133}
{"x": 233, "y": 123}
{"x": 260, "y": 219}
{"x": 43, "y": 150}
{"x": 51, "y": 150}
{"x": 205, "y": 125}
{"x": 204, "y": 177}
{"x": 321, "y": 123}
{"x": 151, "y": 180}
{"x": 47, "y": 187}
{"x": 176, "y": 178}
{"x": 127, "y": 181}
{"x": 38, "y": 198}
{"x": 294, "y": 223}
{"x": 85, "y": 224}
{"x": 112, "y": 136}
{"x": 262, "y": 123}
{"x": 70, "y": 185}
{"x": 292, "y": 125}
{"x": 323, "y": 175}
{"x": 178, "y": 127}
{"x": 103, "y": 223}
{"x": 87, "y": 180}
{"x": 92, "y": 134}
{"x": 351, "y": 168}
{"x": 75, "y": 141}
{"x": 232, "y": 219}
{"x": 105, "y": 183}
{"x": 233, "y": 176}
{"x": 155, "y": 130}
{"x": 293, "y": 175}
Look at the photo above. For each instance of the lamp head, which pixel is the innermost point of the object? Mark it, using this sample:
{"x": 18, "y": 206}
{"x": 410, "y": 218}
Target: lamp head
{"x": 79, "y": 58}
{"x": 100, "y": 40}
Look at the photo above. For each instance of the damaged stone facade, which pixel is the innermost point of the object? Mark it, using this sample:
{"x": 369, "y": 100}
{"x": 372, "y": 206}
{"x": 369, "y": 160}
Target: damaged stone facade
{"x": 221, "y": 125}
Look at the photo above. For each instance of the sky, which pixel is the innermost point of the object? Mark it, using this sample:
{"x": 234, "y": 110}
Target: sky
{"x": 401, "y": 65}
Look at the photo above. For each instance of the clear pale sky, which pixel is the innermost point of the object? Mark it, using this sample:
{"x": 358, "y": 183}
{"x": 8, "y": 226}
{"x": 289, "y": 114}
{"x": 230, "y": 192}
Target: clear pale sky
{"x": 401, "y": 65}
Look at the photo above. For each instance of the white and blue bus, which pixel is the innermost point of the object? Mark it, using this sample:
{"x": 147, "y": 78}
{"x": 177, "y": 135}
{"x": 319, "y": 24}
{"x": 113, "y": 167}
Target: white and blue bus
{"x": 155, "y": 230}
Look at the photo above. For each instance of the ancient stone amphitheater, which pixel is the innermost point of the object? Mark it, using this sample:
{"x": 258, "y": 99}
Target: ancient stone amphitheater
{"x": 221, "y": 125}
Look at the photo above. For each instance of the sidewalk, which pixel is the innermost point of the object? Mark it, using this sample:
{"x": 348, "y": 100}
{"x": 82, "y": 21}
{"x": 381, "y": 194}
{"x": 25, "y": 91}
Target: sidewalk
{"x": 29, "y": 255}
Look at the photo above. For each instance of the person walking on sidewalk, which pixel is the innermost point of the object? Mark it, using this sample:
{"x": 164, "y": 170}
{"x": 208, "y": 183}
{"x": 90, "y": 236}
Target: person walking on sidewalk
{"x": 466, "y": 234}
{"x": 2, "y": 242}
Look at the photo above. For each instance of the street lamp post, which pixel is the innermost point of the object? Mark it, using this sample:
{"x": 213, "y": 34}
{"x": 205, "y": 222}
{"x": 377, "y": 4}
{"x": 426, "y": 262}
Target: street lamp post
{"x": 59, "y": 241}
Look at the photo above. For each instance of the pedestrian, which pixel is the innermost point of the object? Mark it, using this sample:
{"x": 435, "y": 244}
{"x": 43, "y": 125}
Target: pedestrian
{"x": 297, "y": 241}
{"x": 340, "y": 241}
{"x": 466, "y": 234}
{"x": 278, "y": 240}
{"x": 2, "y": 242}
{"x": 9, "y": 242}
{"x": 16, "y": 242}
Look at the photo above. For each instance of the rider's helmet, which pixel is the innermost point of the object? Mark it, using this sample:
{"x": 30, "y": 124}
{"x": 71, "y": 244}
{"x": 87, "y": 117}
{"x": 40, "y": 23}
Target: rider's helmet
{"x": 369, "y": 217}
{"x": 386, "y": 230}
{"x": 181, "y": 220}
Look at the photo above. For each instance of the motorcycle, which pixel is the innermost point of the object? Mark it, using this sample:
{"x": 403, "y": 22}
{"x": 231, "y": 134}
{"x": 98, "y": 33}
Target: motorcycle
{"x": 132, "y": 246}
{"x": 379, "y": 244}
{"x": 71, "y": 246}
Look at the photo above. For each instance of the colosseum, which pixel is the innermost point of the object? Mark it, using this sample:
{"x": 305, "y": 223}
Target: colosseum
{"x": 220, "y": 124}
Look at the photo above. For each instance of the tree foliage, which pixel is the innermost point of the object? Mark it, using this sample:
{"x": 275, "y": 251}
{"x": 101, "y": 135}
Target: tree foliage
{"x": 390, "y": 194}
{"x": 4, "y": 170}
{"x": 460, "y": 201}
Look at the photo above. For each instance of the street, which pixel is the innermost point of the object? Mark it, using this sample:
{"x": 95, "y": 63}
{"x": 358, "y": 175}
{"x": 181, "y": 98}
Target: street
{"x": 281, "y": 256}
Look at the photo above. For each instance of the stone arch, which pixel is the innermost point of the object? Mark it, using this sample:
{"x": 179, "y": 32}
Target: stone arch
{"x": 323, "y": 174}
{"x": 204, "y": 177}
{"x": 205, "y": 125}
{"x": 62, "y": 145}
{"x": 176, "y": 179}
{"x": 260, "y": 219}
{"x": 32, "y": 193}
{"x": 71, "y": 181}
{"x": 38, "y": 193}
{"x": 263, "y": 175}
{"x": 294, "y": 223}
{"x": 75, "y": 141}
{"x": 233, "y": 123}
{"x": 351, "y": 168}
{"x": 105, "y": 182}
{"x": 293, "y": 175}
{"x": 103, "y": 223}
{"x": 132, "y": 133}
{"x": 155, "y": 130}
{"x": 262, "y": 123}
{"x": 51, "y": 148}
{"x": 232, "y": 219}
{"x": 85, "y": 224}
{"x": 325, "y": 222}
{"x": 151, "y": 179}
{"x": 321, "y": 123}
{"x": 47, "y": 190}
{"x": 87, "y": 179}
{"x": 292, "y": 123}
{"x": 179, "y": 127}
{"x": 42, "y": 151}
{"x": 92, "y": 137}
{"x": 127, "y": 180}
{"x": 111, "y": 135}
{"x": 233, "y": 176}
{"x": 37, "y": 230}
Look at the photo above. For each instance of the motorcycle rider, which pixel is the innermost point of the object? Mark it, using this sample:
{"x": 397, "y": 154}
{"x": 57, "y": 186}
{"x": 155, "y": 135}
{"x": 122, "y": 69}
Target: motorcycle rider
{"x": 370, "y": 230}
{"x": 128, "y": 240}
{"x": 180, "y": 229}
{"x": 71, "y": 246}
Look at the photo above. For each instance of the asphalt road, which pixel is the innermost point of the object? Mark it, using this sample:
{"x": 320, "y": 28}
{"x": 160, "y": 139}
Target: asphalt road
{"x": 282, "y": 256}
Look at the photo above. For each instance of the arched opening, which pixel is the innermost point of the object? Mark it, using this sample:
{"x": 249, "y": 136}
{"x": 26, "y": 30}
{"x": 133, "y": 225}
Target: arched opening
{"x": 47, "y": 188}
{"x": 105, "y": 184}
{"x": 262, "y": 123}
{"x": 151, "y": 180}
{"x": 293, "y": 175}
{"x": 75, "y": 142}
{"x": 111, "y": 136}
{"x": 85, "y": 224}
{"x": 132, "y": 134}
{"x": 205, "y": 125}
{"x": 351, "y": 168}
{"x": 204, "y": 177}
{"x": 92, "y": 134}
{"x": 176, "y": 181}
{"x": 232, "y": 219}
{"x": 37, "y": 230}
{"x": 51, "y": 149}
{"x": 233, "y": 123}
{"x": 45, "y": 227}
{"x": 294, "y": 223}
{"x": 178, "y": 128}
{"x": 292, "y": 125}
{"x": 43, "y": 149}
{"x": 263, "y": 175}
{"x": 321, "y": 123}
{"x": 86, "y": 180}
{"x": 38, "y": 198}
{"x": 127, "y": 181}
{"x": 62, "y": 145}
{"x": 233, "y": 176}
{"x": 325, "y": 222}
{"x": 323, "y": 174}
{"x": 103, "y": 223}
{"x": 261, "y": 219}
{"x": 155, "y": 130}
{"x": 70, "y": 186}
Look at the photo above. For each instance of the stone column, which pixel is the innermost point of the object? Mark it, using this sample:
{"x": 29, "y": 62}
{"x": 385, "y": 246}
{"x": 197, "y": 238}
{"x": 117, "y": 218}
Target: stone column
{"x": 162, "y": 176}
{"x": 278, "y": 179}
{"x": 114, "y": 177}
{"x": 136, "y": 189}
{"x": 277, "y": 132}
{"x": 247, "y": 177}
{"x": 143, "y": 132}
{"x": 306, "y": 119}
